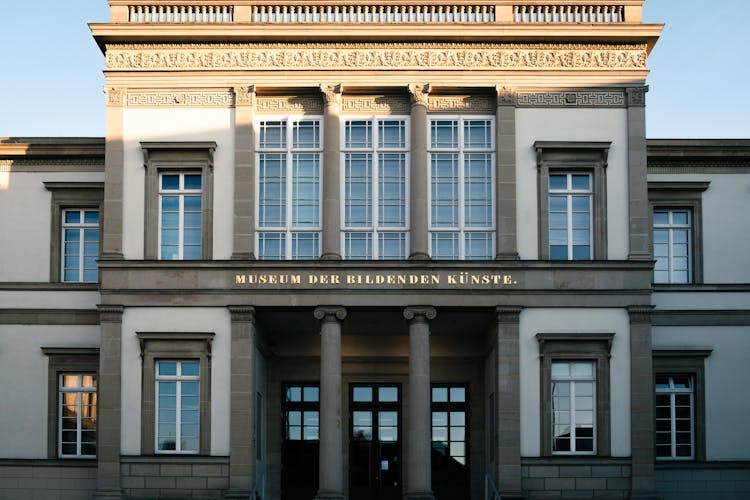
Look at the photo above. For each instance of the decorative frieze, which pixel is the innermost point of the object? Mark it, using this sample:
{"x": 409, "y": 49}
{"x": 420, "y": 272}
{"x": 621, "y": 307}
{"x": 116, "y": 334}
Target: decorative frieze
{"x": 463, "y": 103}
{"x": 180, "y": 98}
{"x": 378, "y": 104}
{"x": 574, "y": 98}
{"x": 371, "y": 56}
{"x": 288, "y": 104}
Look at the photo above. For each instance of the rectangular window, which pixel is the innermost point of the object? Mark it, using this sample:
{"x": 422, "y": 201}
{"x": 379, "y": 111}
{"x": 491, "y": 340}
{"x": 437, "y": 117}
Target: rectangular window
{"x": 77, "y": 415}
{"x": 375, "y": 163}
{"x": 672, "y": 244}
{"x": 177, "y": 406}
{"x": 675, "y": 417}
{"x": 180, "y": 215}
{"x": 80, "y": 245}
{"x": 462, "y": 166}
{"x": 573, "y": 399}
{"x": 570, "y": 210}
{"x": 289, "y": 188}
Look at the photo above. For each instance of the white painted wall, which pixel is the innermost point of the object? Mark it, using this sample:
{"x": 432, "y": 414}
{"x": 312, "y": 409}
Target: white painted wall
{"x": 162, "y": 319}
{"x": 544, "y": 124}
{"x": 25, "y": 223}
{"x": 23, "y": 392}
{"x": 535, "y": 321}
{"x": 178, "y": 124}
{"x": 726, "y": 371}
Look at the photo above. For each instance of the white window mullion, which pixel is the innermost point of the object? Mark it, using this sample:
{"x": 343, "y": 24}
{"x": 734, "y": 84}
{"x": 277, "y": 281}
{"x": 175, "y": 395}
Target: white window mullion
{"x": 79, "y": 398}
{"x": 81, "y": 253}
{"x": 569, "y": 216}
{"x": 289, "y": 202}
{"x": 178, "y": 408}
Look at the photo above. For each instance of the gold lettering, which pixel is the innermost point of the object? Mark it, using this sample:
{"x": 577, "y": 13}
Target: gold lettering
{"x": 507, "y": 279}
{"x": 485, "y": 279}
{"x": 335, "y": 279}
{"x": 496, "y": 279}
{"x": 272, "y": 279}
{"x": 239, "y": 279}
{"x": 435, "y": 280}
{"x": 451, "y": 279}
{"x": 263, "y": 279}
{"x": 391, "y": 279}
{"x": 401, "y": 280}
{"x": 312, "y": 279}
{"x": 379, "y": 279}
{"x": 350, "y": 279}
{"x": 296, "y": 279}
{"x": 413, "y": 279}
{"x": 474, "y": 279}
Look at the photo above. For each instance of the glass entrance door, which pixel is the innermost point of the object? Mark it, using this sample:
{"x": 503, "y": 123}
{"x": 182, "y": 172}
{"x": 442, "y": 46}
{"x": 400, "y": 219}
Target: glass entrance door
{"x": 375, "y": 442}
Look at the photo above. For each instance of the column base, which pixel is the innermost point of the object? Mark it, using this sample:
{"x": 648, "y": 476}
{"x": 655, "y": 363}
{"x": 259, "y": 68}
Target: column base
{"x": 419, "y": 495}
{"x": 330, "y": 495}
{"x": 419, "y": 256}
{"x": 330, "y": 256}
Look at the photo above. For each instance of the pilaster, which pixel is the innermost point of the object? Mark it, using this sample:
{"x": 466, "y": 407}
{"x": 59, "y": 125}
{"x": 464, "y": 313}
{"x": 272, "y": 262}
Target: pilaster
{"x": 420, "y": 174}
{"x": 243, "y": 243}
{"x": 114, "y": 164}
{"x": 640, "y": 224}
{"x": 331, "y": 238}
{"x": 505, "y": 175}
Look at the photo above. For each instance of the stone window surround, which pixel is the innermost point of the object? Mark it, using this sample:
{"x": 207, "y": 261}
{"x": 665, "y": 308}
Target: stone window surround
{"x": 689, "y": 362}
{"x": 81, "y": 195}
{"x": 682, "y": 194}
{"x": 177, "y": 157}
{"x": 157, "y": 346}
{"x": 573, "y": 156}
{"x": 64, "y": 360}
{"x": 576, "y": 347}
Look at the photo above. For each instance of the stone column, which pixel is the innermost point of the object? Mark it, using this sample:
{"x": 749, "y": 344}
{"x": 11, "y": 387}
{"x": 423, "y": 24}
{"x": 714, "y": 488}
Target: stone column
{"x": 331, "y": 238}
{"x": 242, "y": 402}
{"x": 243, "y": 243}
{"x": 505, "y": 175}
{"x": 331, "y": 482}
{"x": 508, "y": 403}
{"x": 418, "y": 474}
{"x": 114, "y": 165}
{"x": 640, "y": 224}
{"x": 108, "y": 404}
{"x": 419, "y": 178}
{"x": 643, "y": 485}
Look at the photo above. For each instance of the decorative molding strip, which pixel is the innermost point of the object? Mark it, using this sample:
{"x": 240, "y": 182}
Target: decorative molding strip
{"x": 288, "y": 104}
{"x": 470, "y": 103}
{"x": 574, "y": 98}
{"x": 701, "y": 318}
{"x": 371, "y": 56}
{"x": 53, "y": 165}
{"x": 49, "y": 317}
{"x": 181, "y": 98}
{"x": 394, "y": 104}
{"x": 700, "y": 166}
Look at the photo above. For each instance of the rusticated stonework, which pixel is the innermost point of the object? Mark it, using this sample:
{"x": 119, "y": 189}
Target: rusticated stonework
{"x": 465, "y": 103}
{"x": 577, "y": 98}
{"x": 191, "y": 98}
{"x": 375, "y": 104}
{"x": 392, "y": 56}
{"x": 288, "y": 104}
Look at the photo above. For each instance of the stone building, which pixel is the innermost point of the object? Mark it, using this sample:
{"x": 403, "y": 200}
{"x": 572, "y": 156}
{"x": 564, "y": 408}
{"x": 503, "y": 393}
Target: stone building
{"x": 363, "y": 250}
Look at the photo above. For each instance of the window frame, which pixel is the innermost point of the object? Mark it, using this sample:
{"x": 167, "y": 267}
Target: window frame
{"x": 174, "y": 346}
{"x": 181, "y": 193}
{"x": 686, "y": 195}
{"x": 460, "y": 229}
{"x": 288, "y": 229}
{"x": 569, "y": 193}
{"x": 671, "y": 362}
{"x": 375, "y": 229}
{"x": 62, "y": 361}
{"x": 559, "y": 157}
{"x": 71, "y": 195}
{"x": 594, "y": 347}
{"x": 174, "y": 158}
{"x": 574, "y": 383}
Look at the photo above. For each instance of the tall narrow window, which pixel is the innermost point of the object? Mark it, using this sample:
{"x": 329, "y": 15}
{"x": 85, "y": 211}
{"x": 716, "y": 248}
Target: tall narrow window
{"x": 77, "y": 415}
{"x": 177, "y": 406}
{"x": 570, "y": 210}
{"x": 289, "y": 161}
{"x": 450, "y": 441}
{"x": 461, "y": 195}
{"x": 80, "y": 232}
{"x": 375, "y": 163}
{"x": 675, "y": 417}
{"x": 672, "y": 244}
{"x": 573, "y": 415}
{"x": 180, "y": 216}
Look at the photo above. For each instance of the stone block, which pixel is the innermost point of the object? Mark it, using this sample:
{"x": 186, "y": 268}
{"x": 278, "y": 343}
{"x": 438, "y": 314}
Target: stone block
{"x": 736, "y": 475}
{"x": 191, "y": 483}
{"x": 609, "y": 494}
{"x": 592, "y": 483}
{"x": 575, "y": 471}
{"x": 208, "y": 470}
{"x": 543, "y": 495}
{"x": 605, "y": 471}
{"x": 176, "y": 469}
{"x": 706, "y": 475}
{"x": 129, "y": 482}
{"x": 144, "y": 469}
{"x": 576, "y": 494}
{"x": 217, "y": 483}
{"x": 568, "y": 483}
{"x": 618, "y": 483}
{"x": 16, "y": 472}
{"x": 175, "y": 493}
{"x": 160, "y": 482}
{"x": 530, "y": 484}
{"x": 544, "y": 471}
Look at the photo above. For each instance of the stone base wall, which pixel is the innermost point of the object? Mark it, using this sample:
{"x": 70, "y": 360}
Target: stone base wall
{"x": 575, "y": 477}
{"x": 705, "y": 481}
{"x": 175, "y": 477}
{"x": 47, "y": 479}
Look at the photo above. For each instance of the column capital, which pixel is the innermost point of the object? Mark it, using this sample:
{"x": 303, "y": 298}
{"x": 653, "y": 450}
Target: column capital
{"x": 244, "y": 95}
{"x": 331, "y": 93}
{"x": 115, "y": 95}
{"x": 636, "y": 96}
{"x": 507, "y": 314}
{"x": 242, "y": 314}
{"x": 640, "y": 314}
{"x": 422, "y": 313}
{"x": 419, "y": 94}
{"x": 506, "y": 96}
{"x": 330, "y": 313}
{"x": 110, "y": 313}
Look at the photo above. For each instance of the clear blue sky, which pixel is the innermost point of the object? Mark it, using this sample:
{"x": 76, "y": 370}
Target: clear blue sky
{"x": 699, "y": 78}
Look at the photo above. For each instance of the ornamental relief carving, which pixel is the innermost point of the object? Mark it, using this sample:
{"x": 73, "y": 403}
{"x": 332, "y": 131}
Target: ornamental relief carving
{"x": 288, "y": 104}
{"x": 404, "y": 56}
{"x": 474, "y": 104}
{"x": 577, "y": 98}
{"x": 192, "y": 98}
{"x": 376, "y": 104}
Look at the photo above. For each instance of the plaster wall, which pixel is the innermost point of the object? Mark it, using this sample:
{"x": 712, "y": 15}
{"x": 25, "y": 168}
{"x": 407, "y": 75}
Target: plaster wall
{"x": 24, "y": 389}
{"x": 544, "y": 124}
{"x": 25, "y": 223}
{"x": 178, "y": 124}
{"x": 535, "y": 321}
{"x": 726, "y": 368}
{"x": 194, "y": 319}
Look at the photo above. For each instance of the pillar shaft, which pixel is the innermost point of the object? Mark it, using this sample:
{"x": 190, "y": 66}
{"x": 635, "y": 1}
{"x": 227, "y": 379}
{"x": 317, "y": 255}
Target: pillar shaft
{"x": 418, "y": 483}
{"x": 505, "y": 176}
{"x": 420, "y": 175}
{"x": 640, "y": 224}
{"x": 114, "y": 165}
{"x": 243, "y": 243}
{"x": 331, "y": 473}
{"x": 331, "y": 238}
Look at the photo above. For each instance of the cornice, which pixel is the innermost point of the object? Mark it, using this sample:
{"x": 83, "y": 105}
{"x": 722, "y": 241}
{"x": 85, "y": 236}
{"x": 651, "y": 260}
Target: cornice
{"x": 375, "y": 56}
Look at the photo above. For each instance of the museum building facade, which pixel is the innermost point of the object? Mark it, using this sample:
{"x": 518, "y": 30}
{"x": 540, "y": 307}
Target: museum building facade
{"x": 348, "y": 250}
